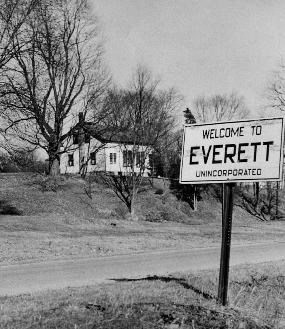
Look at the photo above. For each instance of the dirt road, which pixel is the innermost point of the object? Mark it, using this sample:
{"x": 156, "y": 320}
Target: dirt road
{"x": 27, "y": 278}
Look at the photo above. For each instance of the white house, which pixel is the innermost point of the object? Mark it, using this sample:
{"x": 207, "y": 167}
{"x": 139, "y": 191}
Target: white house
{"x": 88, "y": 151}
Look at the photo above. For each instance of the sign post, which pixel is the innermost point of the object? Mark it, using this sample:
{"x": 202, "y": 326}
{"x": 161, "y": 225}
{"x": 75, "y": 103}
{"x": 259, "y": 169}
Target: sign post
{"x": 230, "y": 152}
{"x": 226, "y": 242}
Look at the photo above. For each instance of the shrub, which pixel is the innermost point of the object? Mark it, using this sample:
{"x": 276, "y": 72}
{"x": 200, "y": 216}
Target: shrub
{"x": 154, "y": 216}
{"x": 6, "y": 165}
{"x": 121, "y": 211}
{"x": 47, "y": 183}
{"x": 259, "y": 201}
{"x": 20, "y": 160}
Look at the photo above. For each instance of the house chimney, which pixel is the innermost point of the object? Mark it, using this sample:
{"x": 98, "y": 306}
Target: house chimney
{"x": 80, "y": 117}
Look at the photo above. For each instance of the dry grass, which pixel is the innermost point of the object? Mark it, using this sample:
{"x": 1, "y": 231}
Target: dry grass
{"x": 185, "y": 301}
{"x": 261, "y": 294}
{"x": 67, "y": 223}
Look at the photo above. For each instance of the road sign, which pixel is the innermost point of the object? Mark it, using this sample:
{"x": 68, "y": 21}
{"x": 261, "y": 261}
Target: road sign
{"x": 228, "y": 152}
{"x": 236, "y": 151}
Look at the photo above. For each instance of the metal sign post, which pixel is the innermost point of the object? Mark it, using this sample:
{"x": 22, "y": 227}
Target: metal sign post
{"x": 226, "y": 242}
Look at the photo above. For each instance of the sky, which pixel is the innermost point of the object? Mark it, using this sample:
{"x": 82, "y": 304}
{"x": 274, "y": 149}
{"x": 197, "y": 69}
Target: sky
{"x": 199, "y": 47}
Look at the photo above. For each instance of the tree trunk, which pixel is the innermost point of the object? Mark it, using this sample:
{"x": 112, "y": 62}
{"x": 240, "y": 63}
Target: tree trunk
{"x": 54, "y": 165}
{"x": 133, "y": 202}
{"x": 277, "y": 201}
{"x": 195, "y": 202}
{"x": 256, "y": 192}
{"x": 134, "y": 216}
{"x": 54, "y": 160}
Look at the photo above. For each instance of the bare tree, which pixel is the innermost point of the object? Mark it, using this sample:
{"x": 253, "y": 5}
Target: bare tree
{"x": 13, "y": 14}
{"x": 56, "y": 70}
{"x": 266, "y": 198}
{"x": 142, "y": 115}
{"x": 219, "y": 108}
{"x": 276, "y": 90}
{"x": 264, "y": 204}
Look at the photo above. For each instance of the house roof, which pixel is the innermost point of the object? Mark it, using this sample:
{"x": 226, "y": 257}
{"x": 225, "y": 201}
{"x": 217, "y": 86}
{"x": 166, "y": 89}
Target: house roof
{"x": 109, "y": 135}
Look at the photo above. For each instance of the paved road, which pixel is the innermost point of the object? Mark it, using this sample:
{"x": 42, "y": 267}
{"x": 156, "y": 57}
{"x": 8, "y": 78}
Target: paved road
{"x": 18, "y": 279}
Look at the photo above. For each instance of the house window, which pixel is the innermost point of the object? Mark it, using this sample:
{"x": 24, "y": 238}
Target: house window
{"x": 113, "y": 158}
{"x": 140, "y": 159}
{"x": 127, "y": 158}
{"x": 75, "y": 138}
{"x": 70, "y": 160}
{"x": 93, "y": 158}
{"x": 151, "y": 163}
{"x": 151, "y": 160}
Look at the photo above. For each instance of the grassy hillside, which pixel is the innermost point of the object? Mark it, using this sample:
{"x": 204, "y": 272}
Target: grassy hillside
{"x": 41, "y": 220}
{"x": 31, "y": 194}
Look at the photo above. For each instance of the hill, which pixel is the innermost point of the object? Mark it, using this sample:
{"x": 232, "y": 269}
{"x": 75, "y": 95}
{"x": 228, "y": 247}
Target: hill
{"x": 28, "y": 194}
{"x": 43, "y": 219}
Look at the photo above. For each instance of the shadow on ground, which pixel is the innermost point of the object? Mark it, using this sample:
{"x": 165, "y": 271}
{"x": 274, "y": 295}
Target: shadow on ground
{"x": 167, "y": 279}
{"x": 8, "y": 209}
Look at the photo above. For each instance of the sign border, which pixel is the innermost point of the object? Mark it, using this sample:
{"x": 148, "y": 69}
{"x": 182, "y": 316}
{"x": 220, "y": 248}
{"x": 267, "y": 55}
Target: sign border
{"x": 250, "y": 180}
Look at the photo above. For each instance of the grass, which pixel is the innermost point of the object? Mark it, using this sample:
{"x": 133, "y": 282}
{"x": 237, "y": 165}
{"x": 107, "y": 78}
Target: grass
{"x": 256, "y": 300}
{"x": 46, "y": 225}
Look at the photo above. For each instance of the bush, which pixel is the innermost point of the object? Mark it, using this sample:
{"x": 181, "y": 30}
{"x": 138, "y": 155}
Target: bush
{"x": 47, "y": 183}
{"x": 121, "y": 211}
{"x": 164, "y": 213}
{"x": 6, "y": 165}
{"x": 259, "y": 201}
{"x": 154, "y": 216}
{"x": 20, "y": 160}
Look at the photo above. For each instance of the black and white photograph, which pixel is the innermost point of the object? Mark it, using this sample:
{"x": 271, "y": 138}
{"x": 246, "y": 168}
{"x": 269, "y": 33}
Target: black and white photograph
{"x": 142, "y": 176}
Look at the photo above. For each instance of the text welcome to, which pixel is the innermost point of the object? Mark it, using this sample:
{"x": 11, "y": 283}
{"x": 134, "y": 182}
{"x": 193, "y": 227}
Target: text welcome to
{"x": 222, "y": 153}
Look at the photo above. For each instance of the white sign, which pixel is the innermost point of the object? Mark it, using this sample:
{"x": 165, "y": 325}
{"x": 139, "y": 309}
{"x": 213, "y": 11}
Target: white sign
{"x": 249, "y": 150}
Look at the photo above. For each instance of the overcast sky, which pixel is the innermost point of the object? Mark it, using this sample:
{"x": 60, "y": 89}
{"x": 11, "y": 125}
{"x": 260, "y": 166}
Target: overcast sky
{"x": 201, "y": 47}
